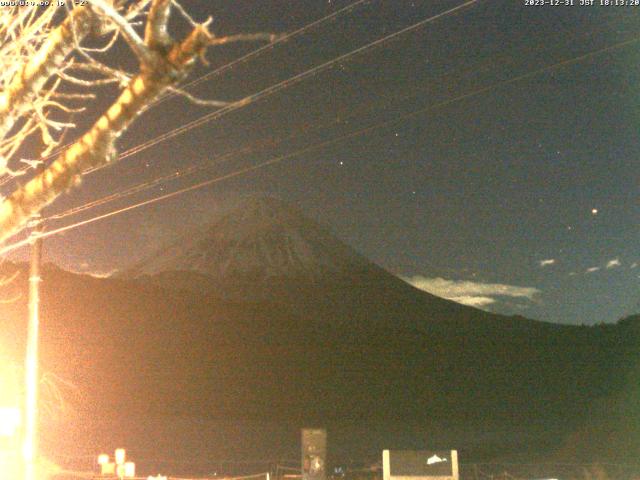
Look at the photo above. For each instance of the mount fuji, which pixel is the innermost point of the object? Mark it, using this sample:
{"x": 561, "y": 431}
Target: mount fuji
{"x": 264, "y": 316}
{"x": 260, "y": 238}
{"x": 263, "y": 249}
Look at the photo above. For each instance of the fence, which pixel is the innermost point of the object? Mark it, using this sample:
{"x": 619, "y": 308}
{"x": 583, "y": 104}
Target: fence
{"x": 224, "y": 470}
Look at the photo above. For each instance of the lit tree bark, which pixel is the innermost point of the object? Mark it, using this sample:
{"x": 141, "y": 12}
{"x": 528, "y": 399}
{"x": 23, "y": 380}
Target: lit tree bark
{"x": 16, "y": 99}
{"x": 163, "y": 64}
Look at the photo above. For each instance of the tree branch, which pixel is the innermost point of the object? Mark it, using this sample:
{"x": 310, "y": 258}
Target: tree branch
{"x": 97, "y": 147}
{"x": 156, "y": 35}
{"x": 135, "y": 42}
{"x": 31, "y": 78}
{"x": 244, "y": 37}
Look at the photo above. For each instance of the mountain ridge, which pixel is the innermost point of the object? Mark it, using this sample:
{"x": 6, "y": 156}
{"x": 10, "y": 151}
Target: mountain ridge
{"x": 263, "y": 237}
{"x": 262, "y": 249}
{"x": 362, "y": 349}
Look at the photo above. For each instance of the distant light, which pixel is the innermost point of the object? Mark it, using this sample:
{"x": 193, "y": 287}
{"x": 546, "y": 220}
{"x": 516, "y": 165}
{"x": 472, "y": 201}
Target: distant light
{"x": 594, "y": 211}
{"x": 120, "y": 456}
{"x": 129, "y": 470}
{"x": 108, "y": 469}
{"x": 103, "y": 458}
{"x": 9, "y": 421}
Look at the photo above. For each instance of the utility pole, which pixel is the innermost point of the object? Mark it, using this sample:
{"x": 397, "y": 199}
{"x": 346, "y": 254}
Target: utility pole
{"x": 30, "y": 445}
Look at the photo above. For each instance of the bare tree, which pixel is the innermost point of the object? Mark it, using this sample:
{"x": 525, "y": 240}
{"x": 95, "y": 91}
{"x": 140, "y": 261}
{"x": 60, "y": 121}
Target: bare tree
{"x": 42, "y": 54}
{"x": 48, "y": 77}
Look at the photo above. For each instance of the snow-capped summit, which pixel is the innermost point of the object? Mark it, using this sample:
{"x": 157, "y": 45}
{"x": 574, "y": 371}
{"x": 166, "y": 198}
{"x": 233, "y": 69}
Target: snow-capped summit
{"x": 259, "y": 239}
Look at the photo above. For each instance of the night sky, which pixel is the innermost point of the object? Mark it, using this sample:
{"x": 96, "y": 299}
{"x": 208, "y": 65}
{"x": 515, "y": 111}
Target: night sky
{"x": 518, "y": 196}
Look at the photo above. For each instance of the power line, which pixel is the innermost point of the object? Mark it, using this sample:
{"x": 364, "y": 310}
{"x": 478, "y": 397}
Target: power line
{"x": 166, "y": 196}
{"x": 284, "y": 84}
{"x": 270, "y": 90}
{"x": 264, "y": 48}
{"x": 333, "y": 141}
{"x": 288, "y": 82}
{"x": 218, "y": 71}
{"x": 145, "y": 186}
{"x": 234, "y": 153}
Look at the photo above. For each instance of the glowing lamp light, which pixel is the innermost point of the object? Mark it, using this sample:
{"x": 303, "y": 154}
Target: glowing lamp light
{"x": 108, "y": 469}
{"x": 120, "y": 456}
{"x": 10, "y": 466}
{"x": 129, "y": 470}
{"x": 9, "y": 421}
{"x": 10, "y": 398}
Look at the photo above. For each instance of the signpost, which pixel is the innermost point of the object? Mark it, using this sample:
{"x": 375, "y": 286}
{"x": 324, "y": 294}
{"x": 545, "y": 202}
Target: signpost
{"x": 314, "y": 454}
{"x": 420, "y": 465}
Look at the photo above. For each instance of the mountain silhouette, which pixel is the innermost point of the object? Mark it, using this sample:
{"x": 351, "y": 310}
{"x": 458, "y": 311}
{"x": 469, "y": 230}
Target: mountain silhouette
{"x": 228, "y": 341}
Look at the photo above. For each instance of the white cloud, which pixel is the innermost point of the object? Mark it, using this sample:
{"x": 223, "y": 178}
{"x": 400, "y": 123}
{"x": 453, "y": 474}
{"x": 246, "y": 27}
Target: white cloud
{"x": 474, "y": 301}
{"x": 613, "y": 263}
{"x": 106, "y": 274}
{"x": 548, "y": 261}
{"x": 592, "y": 269}
{"x": 103, "y": 274}
{"x": 475, "y": 294}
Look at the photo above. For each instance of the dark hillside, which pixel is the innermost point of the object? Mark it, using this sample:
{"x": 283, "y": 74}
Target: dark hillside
{"x": 352, "y": 357}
